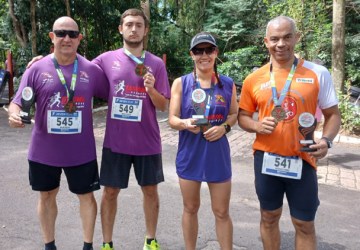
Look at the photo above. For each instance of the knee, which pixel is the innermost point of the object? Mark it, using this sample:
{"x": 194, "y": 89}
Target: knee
{"x": 191, "y": 208}
{"x": 221, "y": 213}
{"x": 304, "y": 227}
{"x": 270, "y": 218}
{"x": 110, "y": 193}
{"x": 48, "y": 196}
{"x": 150, "y": 192}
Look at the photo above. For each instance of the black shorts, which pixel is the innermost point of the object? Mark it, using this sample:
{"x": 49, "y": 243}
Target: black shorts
{"x": 115, "y": 169}
{"x": 81, "y": 179}
{"x": 302, "y": 195}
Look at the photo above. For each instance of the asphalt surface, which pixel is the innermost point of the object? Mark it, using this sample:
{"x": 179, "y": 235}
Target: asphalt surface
{"x": 337, "y": 221}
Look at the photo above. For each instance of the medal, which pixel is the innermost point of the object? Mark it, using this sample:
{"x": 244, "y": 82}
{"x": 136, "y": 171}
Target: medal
{"x": 70, "y": 107}
{"x": 141, "y": 69}
{"x": 278, "y": 113}
{"x": 198, "y": 95}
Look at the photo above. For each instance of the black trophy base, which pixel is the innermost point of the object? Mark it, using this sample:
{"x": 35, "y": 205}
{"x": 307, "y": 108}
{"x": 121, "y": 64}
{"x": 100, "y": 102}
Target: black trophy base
{"x": 201, "y": 122}
{"x": 26, "y": 120}
{"x": 307, "y": 149}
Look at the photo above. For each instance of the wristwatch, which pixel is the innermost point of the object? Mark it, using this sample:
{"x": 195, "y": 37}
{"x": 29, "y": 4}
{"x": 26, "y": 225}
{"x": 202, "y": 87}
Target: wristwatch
{"x": 328, "y": 141}
{"x": 227, "y": 127}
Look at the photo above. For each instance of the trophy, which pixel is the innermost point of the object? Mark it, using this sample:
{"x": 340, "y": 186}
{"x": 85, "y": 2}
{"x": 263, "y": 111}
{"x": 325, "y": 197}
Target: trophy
{"x": 307, "y": 127}
{"x": 198, "y": 97}
{"x": 27, "y": 99}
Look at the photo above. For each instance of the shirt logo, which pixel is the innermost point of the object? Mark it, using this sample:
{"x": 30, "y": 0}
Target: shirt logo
{"x": 305, "y": 80}
{"x": 84, "y": 77}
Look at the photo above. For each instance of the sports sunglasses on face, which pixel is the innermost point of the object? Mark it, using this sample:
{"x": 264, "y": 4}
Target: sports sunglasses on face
{"x": 70, "y": 33}
{"x": 200, "y": 51}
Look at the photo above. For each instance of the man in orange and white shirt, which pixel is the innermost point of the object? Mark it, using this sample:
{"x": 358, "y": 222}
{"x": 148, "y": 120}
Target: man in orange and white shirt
{"x": 285, "y": 93}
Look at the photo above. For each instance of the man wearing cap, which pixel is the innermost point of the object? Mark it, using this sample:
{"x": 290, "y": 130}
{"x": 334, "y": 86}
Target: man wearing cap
{"x": 203, "y": 108}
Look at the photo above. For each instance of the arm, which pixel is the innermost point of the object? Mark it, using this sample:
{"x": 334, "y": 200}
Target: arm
{"x": 14, "y": 116}
{"x": 331, "y": 128}
{"x": 159, "y": 101}
{"x": 216, "y": 132}
{"x": 174, "y": 111}
{"x": 266, "y": 126}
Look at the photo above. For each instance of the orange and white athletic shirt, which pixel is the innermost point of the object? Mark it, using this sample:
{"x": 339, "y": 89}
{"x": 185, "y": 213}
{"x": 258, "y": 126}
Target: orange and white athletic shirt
{"x": 311, "y": 86}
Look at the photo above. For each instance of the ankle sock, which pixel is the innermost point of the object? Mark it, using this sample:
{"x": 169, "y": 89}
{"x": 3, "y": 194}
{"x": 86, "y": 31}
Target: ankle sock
{"x": 110, "y": 243}
{"x": 88, "y": 246}
{"x": 50, "y": 245}
{"x": 148, "y": 241}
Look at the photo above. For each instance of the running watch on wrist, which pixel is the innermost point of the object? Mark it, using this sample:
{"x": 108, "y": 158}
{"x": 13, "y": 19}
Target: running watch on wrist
{"x": 227, "y": 127}
{"x": 328, "y": 141}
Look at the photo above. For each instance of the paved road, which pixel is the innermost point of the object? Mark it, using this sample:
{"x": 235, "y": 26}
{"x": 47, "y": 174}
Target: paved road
{"x": 337, "y": 220}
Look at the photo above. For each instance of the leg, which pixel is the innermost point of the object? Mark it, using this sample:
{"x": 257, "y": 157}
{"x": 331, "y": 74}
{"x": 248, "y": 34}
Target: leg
{"x": 151, "y": 206}
{"x": 190, "y": 191}
{"x": 88, "y": 211}
{"x": 47, "y": 212}
{"x": 269, "y": 229}
{"x": 108, "y": 212}
{"x": 220, "y": 201}
{"x": 305, "y": 237}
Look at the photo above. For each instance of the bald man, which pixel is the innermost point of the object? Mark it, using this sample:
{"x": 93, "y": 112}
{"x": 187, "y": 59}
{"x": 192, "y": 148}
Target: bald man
{"x": 62, "y": 85}
{"x": 284, "y": 151}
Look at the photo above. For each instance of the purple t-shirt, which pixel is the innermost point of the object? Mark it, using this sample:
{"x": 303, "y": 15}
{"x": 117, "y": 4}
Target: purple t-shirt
{"x": 58, "y": 138}
{"x": 198, "y": 159}
{"x": 131, "y": 126}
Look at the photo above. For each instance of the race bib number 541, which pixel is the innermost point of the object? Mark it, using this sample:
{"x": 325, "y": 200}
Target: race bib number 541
{"x": 282, "y": 166}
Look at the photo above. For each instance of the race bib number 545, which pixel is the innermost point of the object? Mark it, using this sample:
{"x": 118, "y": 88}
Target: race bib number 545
{"x": 61, "y": 122}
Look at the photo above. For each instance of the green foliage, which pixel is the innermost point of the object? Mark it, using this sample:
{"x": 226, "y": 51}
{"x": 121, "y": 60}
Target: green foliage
{"x": 350, "y": 114}
{"x": 313, "y": 19}
{"x": 241, "y": 62}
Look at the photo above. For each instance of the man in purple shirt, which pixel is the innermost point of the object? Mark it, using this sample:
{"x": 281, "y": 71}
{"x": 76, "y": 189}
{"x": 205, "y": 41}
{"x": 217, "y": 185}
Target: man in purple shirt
{"x": 138, "y": 86}
{"x": 63, "y": 85}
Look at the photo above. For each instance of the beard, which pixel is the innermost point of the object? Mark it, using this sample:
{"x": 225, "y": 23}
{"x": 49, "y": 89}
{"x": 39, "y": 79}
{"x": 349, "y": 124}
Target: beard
{"x": 134, "y": 44}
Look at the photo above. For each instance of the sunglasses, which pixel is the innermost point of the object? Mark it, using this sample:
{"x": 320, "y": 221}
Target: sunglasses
{"x": 64, "y": 33}
{"x": 200, "y": 51}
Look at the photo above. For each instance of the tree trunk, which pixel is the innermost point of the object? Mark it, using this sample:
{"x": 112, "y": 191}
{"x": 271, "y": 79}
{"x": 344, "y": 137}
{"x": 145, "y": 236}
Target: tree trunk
{"x": 33, "y": 27}
{"x": 145, "y": 5}
{"x": 19, "y": 29}
{"x": 338, "y": 44}
{"x": 68, "y": 12}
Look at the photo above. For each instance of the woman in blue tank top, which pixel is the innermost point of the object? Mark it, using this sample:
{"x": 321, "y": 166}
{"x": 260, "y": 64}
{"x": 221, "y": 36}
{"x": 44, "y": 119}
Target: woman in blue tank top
{"x": 203, "y": 108}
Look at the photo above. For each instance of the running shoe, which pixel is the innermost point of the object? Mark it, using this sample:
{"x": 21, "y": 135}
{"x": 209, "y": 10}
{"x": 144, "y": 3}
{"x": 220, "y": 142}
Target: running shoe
{"x": 154, "y": 245}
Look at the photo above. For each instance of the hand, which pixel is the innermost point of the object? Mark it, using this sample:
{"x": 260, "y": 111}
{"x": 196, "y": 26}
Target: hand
{"x": 15, "y": 121}
{"x": 267, "y": 125}
{"x": 149, "y": 81}
{"x": 321, "y": 149}
{"x": 34, "y": 60}
{"x": 189, "y": 125}
{"x": 215, "y": 133}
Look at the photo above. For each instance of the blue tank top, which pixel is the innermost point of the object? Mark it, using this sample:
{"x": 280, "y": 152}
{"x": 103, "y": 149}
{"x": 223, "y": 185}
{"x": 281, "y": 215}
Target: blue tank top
{"x": 198, "y": 159}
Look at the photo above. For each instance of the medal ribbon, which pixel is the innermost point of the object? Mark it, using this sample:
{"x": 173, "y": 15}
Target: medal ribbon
{"x": 134, "y": 58}
{"x": 197, "y": 82}
{"x": 278, "y": 101}
{"x": 69, "y": 93}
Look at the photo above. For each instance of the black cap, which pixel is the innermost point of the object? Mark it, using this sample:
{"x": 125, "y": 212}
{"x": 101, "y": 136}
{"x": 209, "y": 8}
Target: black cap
{"x": 202, "y": 37}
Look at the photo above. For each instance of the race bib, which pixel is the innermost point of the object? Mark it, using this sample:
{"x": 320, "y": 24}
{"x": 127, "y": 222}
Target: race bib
{"x": 126, "y": 109}
{"x": 282, "y": 166}
{"x": 61, "y": 122}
